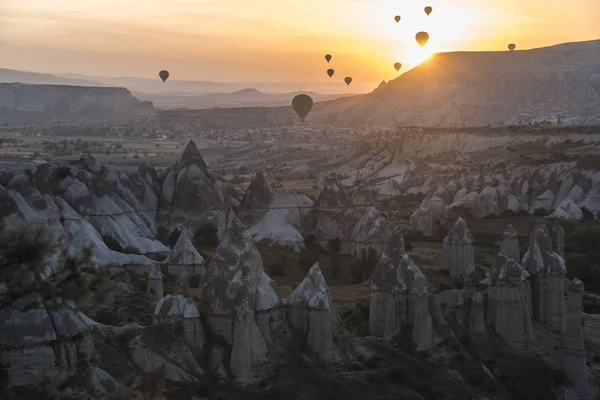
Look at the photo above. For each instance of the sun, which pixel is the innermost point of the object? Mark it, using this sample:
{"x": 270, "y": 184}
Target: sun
{"x": 416, "y": 55}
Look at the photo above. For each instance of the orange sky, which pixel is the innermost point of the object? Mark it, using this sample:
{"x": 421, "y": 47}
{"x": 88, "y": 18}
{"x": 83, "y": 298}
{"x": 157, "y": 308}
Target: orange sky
{"x": 272, "y": 40}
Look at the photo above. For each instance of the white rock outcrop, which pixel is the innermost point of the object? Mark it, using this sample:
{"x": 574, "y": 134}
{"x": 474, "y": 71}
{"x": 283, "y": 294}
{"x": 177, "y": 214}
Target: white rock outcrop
{"x": 333, "y": 215}
{"x": 185, "y": 261}
{"x": 510, "y": 244}
{"x": 509, "y": 301}
{"x": 547, "y": 270}
{"x": 310, "y": 310}
{"x": 399, "y": 296}
{"x": 430, "y": 214}
{"x": 362, "y": 197}
{"x": 38, "y": 342}
{"x": 458, "y": 257}
{"x": 371, "y": 231}
{"x": 256, "y": 201}
{"x": 228, "y": 297}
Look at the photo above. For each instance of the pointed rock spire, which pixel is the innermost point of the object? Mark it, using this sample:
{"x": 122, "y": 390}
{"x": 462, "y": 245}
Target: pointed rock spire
{"x": 229, "y": 286}
{"x": 191, "y": 156}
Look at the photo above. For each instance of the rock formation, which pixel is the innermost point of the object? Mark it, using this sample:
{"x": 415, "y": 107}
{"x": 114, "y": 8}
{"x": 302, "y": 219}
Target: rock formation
{"x": 191, "y": 195}
{"x": 509, "y": 301}
{"x": 185, "y": 261}
{"x": 510, "y": 244}
{"x": 274, "y": 228}
{"x": 333, "y": 215}
{"x": 370, "y": 231}
{"x": 430, "y": 214}
{"x": 155, "y": 285}
{"x": 362, "y": 197}
{"x": 256, "y": 201}
{"x": 547, "y": 270}
{"x": 310, "y": 310}
{"x": 228, "y": 298}
{"x": 60, "y": 195}
{"x": 573, "y": 352}
{"x": 270, "y": 310}
{"x": 458, "y": 257}
{"x": 399, "y": 296}
{"x": 38, "y": 342}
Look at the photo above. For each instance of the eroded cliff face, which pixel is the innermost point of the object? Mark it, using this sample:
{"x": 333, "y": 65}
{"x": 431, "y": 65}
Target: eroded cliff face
{"x": 44, "y": 103}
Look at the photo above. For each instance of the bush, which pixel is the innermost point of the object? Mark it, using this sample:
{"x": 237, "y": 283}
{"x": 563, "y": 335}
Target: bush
{"x": 130, "y": 250}
{"x": 112, "y": 243}
{"x": 206, "y": 236}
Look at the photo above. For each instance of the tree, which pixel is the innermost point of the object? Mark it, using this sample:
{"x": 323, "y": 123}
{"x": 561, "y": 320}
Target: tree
{"x": 24, "y": 256}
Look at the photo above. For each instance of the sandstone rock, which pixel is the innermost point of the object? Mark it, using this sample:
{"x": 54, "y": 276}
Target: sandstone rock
{"x": 37, "y": 342}
{"x": 333, "y": 215}
{"x": 192, "y": 327}
{"x": 228, "y": 297}
{"x": 270, "y": 310}
{"x": 567, "y": 210}
{"x": 510, "y": 244}
{"x": 190, "y": 193}
{"x": 256, "y": 201}
{"x": 487, "y": 203}
{"x": 457, "y": 256}
{"x": 508, "y": 301}
{"x": 362, "y": 197}
{"x": 176, "y": 366}
{"x": 155, "y": 285}
{"x": 310, "y": 310}
{"x": 370, "y": 231}
{"x": 477, "y": 314}
{"x": 170, "y": 309}
{"x": 547, "y": 269}
{"x": 185, "y": 261}
{"x": 399, "y": 296}
{"x": 574, "y": 357}
{"x": 430, "y": 214}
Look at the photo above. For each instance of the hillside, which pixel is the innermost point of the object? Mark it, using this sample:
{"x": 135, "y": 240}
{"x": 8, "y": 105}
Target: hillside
{"x": 26, "y": 103}
{"x": 481, "y": 88}
{"x": 453, "y": 89}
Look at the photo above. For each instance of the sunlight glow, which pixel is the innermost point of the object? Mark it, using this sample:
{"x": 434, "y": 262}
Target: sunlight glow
{"x": 273, "y": 40}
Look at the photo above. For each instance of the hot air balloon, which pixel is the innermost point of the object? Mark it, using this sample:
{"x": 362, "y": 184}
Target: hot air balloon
{"x": 512, "y": 47}
{"x": 397, "y": 18}
{"x": 328, "y": 57}
{"x": 428, "y": 10}
{"x": 348, "y": 80}
{"x": 397, "y": 66}
{"x": 422, "y": 38}
{"x": 163, "y": 75}
{"x": 302, "y": 104}
{"x": 595, "y": 83}
{"x": 330, "y": 72}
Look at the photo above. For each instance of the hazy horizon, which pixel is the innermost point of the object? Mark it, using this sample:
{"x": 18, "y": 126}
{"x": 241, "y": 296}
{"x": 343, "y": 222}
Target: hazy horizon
{"x": 269, "y": 41}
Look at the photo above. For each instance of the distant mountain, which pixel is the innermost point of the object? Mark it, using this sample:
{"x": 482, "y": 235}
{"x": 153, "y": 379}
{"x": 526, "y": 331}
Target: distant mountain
{"x": 37, "y": 103}
{"x": 481, "y": 88}
{"x": 248, "y": 97}
{"x": 173, "y": 86}
{"x": 11, "y": 75}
